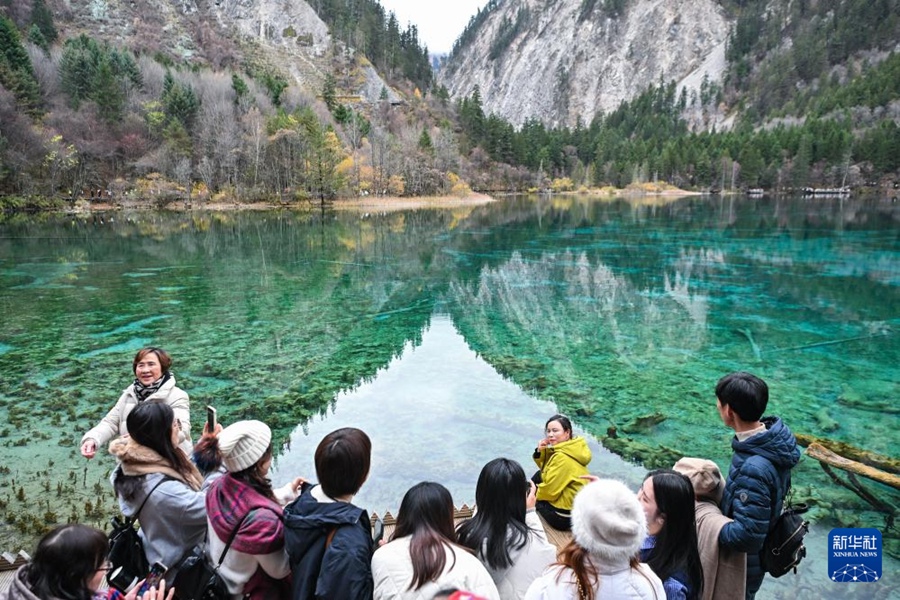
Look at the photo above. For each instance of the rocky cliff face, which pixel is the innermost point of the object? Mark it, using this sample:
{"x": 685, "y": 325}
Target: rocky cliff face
{"x": 557, "y": 61}
{"x": 286, "y": 35}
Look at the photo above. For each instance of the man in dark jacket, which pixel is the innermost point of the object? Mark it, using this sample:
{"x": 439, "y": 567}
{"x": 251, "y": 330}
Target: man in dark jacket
{"x": 328, "y": 539}
{"x": 765, "y": 451}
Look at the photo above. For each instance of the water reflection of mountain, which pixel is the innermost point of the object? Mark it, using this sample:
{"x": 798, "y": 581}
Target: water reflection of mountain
{"x": 584, "y": 308}
{"x": 577, "y": 333}
{"x": 616, "y": 311}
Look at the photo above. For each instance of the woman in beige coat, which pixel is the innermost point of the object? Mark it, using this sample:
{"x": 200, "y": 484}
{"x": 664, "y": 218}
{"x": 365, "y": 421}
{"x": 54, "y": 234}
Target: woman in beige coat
{"x": 724, "y": 570}
{"x": 152, "y": 381}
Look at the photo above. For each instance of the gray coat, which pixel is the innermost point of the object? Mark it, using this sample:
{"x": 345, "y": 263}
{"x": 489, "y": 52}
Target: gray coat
{"x": 18, "y": 589}
{"x": 172, "y": 521}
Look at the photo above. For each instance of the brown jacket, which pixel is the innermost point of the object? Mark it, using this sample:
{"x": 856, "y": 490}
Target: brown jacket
{"x": 724, "y": 571}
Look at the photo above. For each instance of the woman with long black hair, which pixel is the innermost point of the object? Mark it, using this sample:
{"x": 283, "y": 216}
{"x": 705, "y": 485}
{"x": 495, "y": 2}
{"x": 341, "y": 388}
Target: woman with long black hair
{"x": 670, "y": 547}
{"x": 157, "y": 482}
{"x": 423, "y": 556}
{"x": 505, "y": 532}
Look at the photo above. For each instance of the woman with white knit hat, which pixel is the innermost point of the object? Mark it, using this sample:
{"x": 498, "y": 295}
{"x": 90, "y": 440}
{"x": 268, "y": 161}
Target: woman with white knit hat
{"x": 608, "y": 525}
{"x": 242, "y": 505}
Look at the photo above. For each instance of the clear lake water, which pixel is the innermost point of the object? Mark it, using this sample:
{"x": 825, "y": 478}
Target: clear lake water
{"x": 450, "y": 335}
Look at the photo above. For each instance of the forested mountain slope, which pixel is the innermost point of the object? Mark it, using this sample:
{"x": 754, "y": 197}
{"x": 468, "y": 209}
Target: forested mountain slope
{"x": 564, "y": 61}
{"x": 177, "y": 98}
{"x": 255, "y": 99}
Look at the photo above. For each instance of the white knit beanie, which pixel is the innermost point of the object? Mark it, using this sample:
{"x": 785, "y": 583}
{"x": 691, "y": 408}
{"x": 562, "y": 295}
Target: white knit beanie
{"x": 608, "y": 521}
{"x": 243, "y": 443}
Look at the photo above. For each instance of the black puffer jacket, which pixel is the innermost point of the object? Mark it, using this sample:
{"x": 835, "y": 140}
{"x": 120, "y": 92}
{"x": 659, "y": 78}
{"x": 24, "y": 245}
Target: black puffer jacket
{"x": 339, "y": 569}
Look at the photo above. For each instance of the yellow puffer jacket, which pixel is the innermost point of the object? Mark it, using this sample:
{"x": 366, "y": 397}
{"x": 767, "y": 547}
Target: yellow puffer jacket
{"x": 561, "y": 466}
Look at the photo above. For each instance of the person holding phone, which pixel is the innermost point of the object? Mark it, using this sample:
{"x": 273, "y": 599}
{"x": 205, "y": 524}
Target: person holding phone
{"x": 155, "y": 477}
{"x": 153, "y": 380}
{"x": 153, "y": 580}
{"x": 329, "y": 539}
{"x": 70, "y": 562}
{"x": 562, "y": 459}
{"x": 505, "y": 531}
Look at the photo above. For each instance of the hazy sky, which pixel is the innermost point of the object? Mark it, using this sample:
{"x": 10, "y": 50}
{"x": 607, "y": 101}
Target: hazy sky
{"x": 439, "y": 23}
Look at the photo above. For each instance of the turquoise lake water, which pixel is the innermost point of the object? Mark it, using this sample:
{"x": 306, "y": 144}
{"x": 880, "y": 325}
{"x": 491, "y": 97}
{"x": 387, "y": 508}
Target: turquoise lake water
{"x": 451, "y": 335}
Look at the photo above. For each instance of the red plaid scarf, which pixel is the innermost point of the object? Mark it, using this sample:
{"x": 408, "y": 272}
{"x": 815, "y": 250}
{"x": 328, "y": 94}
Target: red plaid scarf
{"x": 228, "y": 500}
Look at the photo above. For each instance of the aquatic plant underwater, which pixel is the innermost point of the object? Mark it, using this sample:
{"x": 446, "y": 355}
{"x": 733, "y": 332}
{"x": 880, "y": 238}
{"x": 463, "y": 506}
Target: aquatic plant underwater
{"x": 622, "y": 315}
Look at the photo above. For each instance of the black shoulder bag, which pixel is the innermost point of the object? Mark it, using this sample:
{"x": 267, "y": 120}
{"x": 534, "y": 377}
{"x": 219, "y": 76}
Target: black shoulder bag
{"x": 197, "y": 579}
{"x": 126, "y": 550}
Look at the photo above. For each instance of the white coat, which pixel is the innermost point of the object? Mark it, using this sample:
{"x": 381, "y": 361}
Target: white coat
{"x": 392, "y": 571}
{"x": 529, "y": 562}
{"x": 615, "y": 583}
{"x": 113, "y": 424}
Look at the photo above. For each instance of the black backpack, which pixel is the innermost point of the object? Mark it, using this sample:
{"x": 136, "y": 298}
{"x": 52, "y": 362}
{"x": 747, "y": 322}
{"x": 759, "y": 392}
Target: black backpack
{"x": 783, "y": 549}
{"x": 126, "y": 550}
{"x": 197, "y": 578}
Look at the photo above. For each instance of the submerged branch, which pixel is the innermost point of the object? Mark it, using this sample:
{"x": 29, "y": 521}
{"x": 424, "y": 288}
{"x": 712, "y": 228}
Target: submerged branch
{"x": 877, "y": 461}
{"x": 824, "y": 455}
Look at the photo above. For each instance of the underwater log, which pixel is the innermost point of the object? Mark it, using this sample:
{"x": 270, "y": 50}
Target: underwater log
{"x": 877, "y": 461}
{"x": 823, "y": 454}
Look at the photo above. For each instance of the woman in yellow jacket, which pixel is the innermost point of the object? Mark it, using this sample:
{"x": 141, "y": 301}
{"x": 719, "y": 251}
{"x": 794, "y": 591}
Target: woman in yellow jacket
{"x": 562, "y": 460}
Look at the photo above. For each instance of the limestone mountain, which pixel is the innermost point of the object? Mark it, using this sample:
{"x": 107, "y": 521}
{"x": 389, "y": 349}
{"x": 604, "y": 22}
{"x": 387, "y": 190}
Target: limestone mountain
{"x": 284, "y": 37}
{"x": 564, "y": 60}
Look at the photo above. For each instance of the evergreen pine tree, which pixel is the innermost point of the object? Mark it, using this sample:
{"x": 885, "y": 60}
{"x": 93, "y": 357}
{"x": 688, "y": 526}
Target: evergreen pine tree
{"x": 239, "y": 86}
{"x": 77, "y": 67}
{"x": 329, "y": 93}
{"x": 16, "y": 72}
{"x": 43, "y": 18}
{"x": 180, "y": 103}
{"x": 425, "y": 144}
{"x": 107, "y": 93}
{"x": 37, "y": 38}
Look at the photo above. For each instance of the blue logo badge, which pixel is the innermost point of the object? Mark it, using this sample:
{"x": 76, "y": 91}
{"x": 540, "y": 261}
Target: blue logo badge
{"x": 854, "y": 555}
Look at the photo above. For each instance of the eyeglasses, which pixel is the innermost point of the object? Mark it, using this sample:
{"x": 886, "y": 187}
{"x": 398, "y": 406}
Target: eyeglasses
{"x": 106, "y": 566}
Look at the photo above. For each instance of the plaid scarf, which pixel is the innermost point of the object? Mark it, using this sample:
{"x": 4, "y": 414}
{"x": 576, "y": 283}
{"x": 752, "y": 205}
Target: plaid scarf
{"x": 145, "y": 391}
{"x": 228, "y": 500}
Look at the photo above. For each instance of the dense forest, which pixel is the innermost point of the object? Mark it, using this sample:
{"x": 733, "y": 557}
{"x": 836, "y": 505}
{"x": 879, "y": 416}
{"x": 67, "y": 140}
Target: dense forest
{"x": 813, "y": 88}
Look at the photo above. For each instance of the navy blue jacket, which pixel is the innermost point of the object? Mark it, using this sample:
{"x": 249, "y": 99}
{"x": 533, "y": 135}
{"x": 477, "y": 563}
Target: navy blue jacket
{"x": 341, "y": 569}
{"x": 758, "y": 479}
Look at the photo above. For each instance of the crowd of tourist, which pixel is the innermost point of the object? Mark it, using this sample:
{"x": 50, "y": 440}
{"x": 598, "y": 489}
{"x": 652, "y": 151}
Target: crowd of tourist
{"x": 686, "y": 533}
